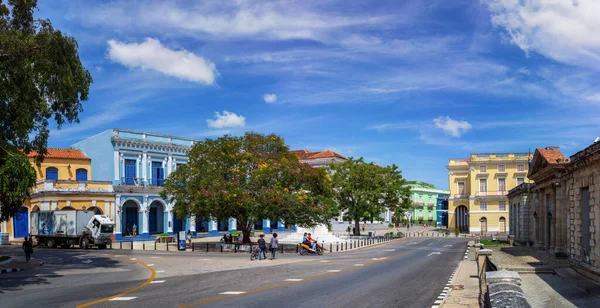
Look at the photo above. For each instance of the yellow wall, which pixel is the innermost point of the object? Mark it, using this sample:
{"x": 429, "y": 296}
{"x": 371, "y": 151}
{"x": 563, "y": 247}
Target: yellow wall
{"x": 64, "y": 171}
{"x": 468, "y": 171}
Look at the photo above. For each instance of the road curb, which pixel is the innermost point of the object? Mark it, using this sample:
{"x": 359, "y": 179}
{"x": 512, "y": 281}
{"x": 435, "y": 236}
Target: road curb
{"x": 439, "y": 302}
{"x": 9, "y": 270}
{"x": 6, "y": 261}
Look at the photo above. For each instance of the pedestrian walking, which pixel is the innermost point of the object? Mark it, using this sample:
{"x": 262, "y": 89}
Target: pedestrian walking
{"x": 274, "y": 245}
{"x": 262, "y": 247}
{"x": 28, "y": 248}
{"x": 364, "y": 226}
{"x": 189, "y": 237}
{"x": 134, "y": 230}
{"x": 240, "y": 241}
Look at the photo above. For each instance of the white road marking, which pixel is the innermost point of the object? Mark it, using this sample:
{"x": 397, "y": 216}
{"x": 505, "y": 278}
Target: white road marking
{"x": 413, "y": 243}
{"x": 232, "y": 293}
{"x": 133, "y": 259}
{"x": 334, "y": 271}
{"x": 157, "y": 281}
{"x": 88, "y": 261}
{"x": 150, "y": 264}
{"x": 160, "y": 271}
{"x": 448, "y": 245}
{"x": 359, "y": 265}
{"x": 389, "y": 250}
{"x": 122, "y": 298}
{"x": 294, "y": 279}
{"x": 118, "y": 256}
{"x": 434, "y": 253}
{"x": 379, "y": 259}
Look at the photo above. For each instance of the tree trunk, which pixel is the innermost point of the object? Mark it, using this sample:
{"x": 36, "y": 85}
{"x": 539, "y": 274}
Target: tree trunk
{"x": 246, "y": 230}
{"x": 356, "y": 226}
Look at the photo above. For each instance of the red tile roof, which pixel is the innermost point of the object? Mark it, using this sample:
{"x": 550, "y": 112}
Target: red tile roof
{"x": 61, "y": 153}
{"x": 553, "y": 156}
{"x": 303, "y": 154}
{"x": 326, "y": 154}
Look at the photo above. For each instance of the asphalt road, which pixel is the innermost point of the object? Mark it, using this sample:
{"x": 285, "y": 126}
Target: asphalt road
{"x": 402, "y": 273}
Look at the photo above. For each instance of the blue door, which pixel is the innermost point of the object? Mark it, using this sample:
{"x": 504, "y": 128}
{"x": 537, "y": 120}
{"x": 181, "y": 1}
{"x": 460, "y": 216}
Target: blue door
{"x": 177, "y": 224}
{"x": 129, "y": 171}
{"x": 81, "y": 175}
{"x": 20, "y": 224}
{"x": 258, "y": 225}
{"x": 158, "y": 174}
{"x": 131, "y": 218}
{"x": 152, "y": 220}
{"x": 51, "y": 173}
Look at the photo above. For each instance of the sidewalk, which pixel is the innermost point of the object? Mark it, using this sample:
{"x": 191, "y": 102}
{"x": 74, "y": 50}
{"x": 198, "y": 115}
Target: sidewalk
{"x": 464, "y": 288}
{"x": 19, "y": 264}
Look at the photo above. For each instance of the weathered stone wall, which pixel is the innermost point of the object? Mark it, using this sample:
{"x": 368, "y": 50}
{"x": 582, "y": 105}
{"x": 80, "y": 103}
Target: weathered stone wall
{"x": 576, "y": 179}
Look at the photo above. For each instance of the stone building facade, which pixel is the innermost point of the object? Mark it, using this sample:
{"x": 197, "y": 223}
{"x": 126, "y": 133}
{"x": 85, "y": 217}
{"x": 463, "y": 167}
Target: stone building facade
{"x": 520, "y": 215}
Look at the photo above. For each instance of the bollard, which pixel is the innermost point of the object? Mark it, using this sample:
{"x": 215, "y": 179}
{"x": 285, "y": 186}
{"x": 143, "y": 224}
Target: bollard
{"x": 206, "y": 247}
{"x": 154, "y": 245}
{"x": 221, "y": 247}
{"x": 297, "y": 248}
{"x": 346, "y": 245}
{"x": 192, "y": 247}
{"x": 121, "y": 245}
{"x": 131, "y": 245}
{"x": 167, "y": 246}
{"x": 143, "y": 245}
{"x": 281, "y": 249}
{"x": 337, "y": 247}
{"x": 330, "y": 247}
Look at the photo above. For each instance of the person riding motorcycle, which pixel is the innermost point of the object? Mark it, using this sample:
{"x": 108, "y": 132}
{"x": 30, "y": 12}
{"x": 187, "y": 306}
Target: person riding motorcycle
{"x": 313, "y": 242}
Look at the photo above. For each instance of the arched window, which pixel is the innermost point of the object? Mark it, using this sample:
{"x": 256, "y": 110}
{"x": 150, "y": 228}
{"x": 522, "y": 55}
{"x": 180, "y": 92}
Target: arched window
{"x": 51, "y": 173}
{"x": 81, "y": 174}
{"x": 483, "y": 223}
{"x": 502, "y": 225}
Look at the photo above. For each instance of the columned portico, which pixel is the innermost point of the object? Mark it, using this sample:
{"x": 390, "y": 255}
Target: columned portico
{"x": 266, "y": 226}
{"x": 212, "y": 227}
{"x": 144, "y": 223}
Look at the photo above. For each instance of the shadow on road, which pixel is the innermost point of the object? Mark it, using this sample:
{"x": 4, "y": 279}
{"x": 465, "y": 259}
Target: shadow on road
{"x": 54, "y": 262}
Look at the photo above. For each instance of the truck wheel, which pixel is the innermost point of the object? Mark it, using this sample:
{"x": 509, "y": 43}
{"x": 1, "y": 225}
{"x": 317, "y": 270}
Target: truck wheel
{"x": 50, "y": 243}
{"x": 85, "y": 243}
{"x": 103, "y": 246}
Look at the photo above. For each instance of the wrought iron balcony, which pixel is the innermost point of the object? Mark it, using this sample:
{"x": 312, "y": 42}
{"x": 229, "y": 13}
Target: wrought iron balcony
{"x": 491, "y": 193}
{"x": 460, "y": 196}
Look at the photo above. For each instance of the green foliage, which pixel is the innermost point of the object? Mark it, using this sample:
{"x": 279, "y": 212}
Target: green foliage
{"x": 250, "y": 178}
{"x": 494, "y": 243}
{"x": 41, "y": 77}
{"x": 456, "y": 231}
{"x": 366, "y": 190}
{"x": 165, "y": 234}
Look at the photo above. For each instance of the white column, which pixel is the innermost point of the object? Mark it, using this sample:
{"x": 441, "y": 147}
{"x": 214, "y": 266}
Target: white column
{"x": 122, "y": 165}
{"x": 170, "y": 218}
{"x": 137, "y": 166}
{"x": 214, "y": 226}
{"x": 118, "y": 208}
{"x": 117, "y": 176}
{"x": 164, "y": 164}
{"x": 145, "y": 216}
{"x": 193, "y": 223}
{"x": 174, "y": 162}
{"x": 144, "y": 166}
{"x": 107, "y": 208}
{"x": 169, "y": 165}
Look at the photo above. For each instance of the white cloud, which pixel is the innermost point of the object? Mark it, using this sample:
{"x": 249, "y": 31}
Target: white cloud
{"x": 226, "y": 120}
{"x": 151, "y": 54}
{"x": 270, "y": 98}
{"x": 229, "y": 19}
{"x": 566, "y": 31}
{"x": 452, "y": 127}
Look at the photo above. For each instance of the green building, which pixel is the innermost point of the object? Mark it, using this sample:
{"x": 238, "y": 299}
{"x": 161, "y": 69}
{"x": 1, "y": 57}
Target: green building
{"x": 424, "y": 200}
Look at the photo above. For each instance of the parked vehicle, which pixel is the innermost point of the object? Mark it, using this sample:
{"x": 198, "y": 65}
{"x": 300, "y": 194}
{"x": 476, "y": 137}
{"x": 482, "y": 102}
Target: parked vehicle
{"x": 74, "y": 227}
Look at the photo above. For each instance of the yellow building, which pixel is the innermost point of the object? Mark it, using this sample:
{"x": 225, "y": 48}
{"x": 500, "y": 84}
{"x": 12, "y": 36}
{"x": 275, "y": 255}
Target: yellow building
{"x": 478, "y": 188}
{"x": 62, "y": 184}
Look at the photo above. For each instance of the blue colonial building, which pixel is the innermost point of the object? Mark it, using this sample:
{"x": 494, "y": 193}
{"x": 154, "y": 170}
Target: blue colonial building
{"x": 138, "y": 163}
{"x": 442, "y": 210}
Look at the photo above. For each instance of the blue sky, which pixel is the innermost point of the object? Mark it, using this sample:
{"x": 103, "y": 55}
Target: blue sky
{"x": 407, "y": 82}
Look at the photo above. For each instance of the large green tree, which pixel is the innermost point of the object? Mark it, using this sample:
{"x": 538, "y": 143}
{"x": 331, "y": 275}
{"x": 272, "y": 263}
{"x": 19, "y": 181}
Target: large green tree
{"x": 366, "y": 190}
{"x": 249, "y": 178}
{"x": 41, "y": 77}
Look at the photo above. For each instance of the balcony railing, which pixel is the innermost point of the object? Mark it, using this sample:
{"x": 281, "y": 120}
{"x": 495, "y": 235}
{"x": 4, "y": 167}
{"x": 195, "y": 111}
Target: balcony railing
{"x": 491, "y": 193}
{"x": 131, "y": 181}
{"x": 460, "y": 196}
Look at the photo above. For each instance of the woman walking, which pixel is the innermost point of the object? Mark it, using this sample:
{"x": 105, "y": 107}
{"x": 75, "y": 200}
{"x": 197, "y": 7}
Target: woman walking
{"x": 274, "y": 245}
{"x": 28, "y": 248}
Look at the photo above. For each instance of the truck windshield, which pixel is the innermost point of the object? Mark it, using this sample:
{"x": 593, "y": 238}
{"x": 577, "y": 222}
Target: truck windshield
{"x": 106, "y": 228}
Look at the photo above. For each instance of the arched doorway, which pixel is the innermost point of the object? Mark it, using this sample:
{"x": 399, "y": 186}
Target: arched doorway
{"x": 201, "y": 224}
{"x": 156, "y": 217}
{"x": 223, "y": 225}
{"x": 258, "y": 225}
{"x": 483, "y": 225}
{"x": 461, "y": 217}
{"x": 502, "y": 225}
{"x": 96, "y": 210}
{"x": 130, "y": 218}
{"x": 21, "y": 224}
{"x": 178, "y": 224}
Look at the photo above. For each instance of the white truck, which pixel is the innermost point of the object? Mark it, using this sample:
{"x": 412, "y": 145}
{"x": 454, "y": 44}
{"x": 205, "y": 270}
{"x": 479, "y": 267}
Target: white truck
{"x": 74, "y": 227}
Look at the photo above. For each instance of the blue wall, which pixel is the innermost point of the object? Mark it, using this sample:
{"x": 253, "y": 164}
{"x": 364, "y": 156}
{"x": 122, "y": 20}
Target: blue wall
{"x": 100, "y": 149}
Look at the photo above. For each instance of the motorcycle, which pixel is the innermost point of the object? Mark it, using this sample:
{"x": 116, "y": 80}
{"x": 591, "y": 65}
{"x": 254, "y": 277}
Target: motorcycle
{"x": 307, "y": 249}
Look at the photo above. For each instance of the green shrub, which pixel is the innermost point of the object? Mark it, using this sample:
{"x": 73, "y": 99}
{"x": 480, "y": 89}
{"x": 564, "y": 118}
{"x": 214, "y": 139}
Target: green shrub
{"x": 165, "y": 234}
{"x": 399, "y": 233}
{"x": 257, "y": 230}
{"x": 456, "y": 231}
{"x": 391, "y": 225}
{"x": 235, "y": 233}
